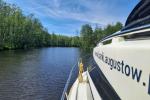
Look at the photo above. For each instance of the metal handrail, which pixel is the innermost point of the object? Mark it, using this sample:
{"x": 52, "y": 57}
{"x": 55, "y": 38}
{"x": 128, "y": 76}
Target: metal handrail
{"x": 67, "y": 83}
{"x": 125, "y": 32}
{"x": 64, "y": 94}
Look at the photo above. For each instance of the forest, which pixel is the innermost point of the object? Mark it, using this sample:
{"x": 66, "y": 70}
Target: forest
{"x": 90, "y": 37}
{"x": 18, "y": 31}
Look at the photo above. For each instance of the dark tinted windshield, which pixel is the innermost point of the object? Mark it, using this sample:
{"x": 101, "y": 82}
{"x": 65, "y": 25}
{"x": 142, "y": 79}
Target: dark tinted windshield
{"x": 139, "y": 16}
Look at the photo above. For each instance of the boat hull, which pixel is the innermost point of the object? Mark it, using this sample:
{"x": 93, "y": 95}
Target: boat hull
{"x": 126, "y": 65}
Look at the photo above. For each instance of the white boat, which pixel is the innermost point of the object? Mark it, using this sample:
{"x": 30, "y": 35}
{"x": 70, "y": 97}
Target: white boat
{"x": 124, "y": 57}
{"x": 123, "y": 60}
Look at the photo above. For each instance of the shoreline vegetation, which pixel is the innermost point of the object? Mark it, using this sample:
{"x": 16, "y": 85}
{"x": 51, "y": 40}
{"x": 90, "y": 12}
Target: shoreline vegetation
{"x": 18, "y": 31}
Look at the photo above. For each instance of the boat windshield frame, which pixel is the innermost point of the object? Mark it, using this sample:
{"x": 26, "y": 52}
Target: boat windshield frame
{"x": 125, "y": 32}
{"x": 139, "y": 16}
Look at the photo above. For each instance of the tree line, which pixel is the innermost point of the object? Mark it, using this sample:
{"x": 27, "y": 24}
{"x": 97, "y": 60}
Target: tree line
{"x": 18, "y": 31}
{"x": 90, "y": 37}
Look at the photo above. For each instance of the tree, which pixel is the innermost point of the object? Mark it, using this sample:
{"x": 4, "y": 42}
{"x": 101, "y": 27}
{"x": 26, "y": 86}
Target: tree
{"x": 18, "y": 31}
{"x": 90, "y": 38}
{"x": 86, "y": 36}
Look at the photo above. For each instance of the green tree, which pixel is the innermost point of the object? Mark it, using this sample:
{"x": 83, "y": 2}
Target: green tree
{"x": 90, "y": 38}
{"x": 86, "y": 36}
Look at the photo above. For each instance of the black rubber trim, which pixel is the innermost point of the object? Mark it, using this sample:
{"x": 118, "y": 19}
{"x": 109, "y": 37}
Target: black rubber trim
{"x": 139, "y": 16}
{"x": 104, "y": 88}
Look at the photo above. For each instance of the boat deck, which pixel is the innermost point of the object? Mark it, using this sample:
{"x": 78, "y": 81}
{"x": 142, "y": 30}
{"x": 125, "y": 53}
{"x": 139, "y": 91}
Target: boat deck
{"x": 84, "y": 91}
{"x": 81, "y": 90}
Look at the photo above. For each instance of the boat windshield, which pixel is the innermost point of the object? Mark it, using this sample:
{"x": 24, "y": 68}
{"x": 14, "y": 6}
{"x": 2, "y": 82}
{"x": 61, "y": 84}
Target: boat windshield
{"x": 140, "y": 15}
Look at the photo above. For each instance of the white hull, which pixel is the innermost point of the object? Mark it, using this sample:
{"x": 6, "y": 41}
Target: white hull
{"x": 126, "y": 65}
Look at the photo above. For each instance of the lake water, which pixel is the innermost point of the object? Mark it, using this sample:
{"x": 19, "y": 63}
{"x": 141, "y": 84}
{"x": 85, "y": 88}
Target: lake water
{"x": 37, "y": 74}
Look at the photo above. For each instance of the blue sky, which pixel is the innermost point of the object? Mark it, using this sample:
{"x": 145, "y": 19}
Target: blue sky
{"x": 67, "y": 16}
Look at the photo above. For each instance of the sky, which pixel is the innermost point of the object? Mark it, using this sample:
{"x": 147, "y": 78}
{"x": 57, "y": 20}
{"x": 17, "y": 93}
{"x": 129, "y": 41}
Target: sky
{"x": 67, "y": 16}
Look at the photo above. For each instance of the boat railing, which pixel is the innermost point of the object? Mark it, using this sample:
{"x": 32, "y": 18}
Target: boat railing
{"x": 74, "y": 72}
{"x": 71, "y": 79}
{"x": 125, "y": 32}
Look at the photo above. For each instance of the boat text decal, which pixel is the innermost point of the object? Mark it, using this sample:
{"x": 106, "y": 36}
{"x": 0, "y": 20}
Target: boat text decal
{"x": 120, "y": 66}
{"x": 123, "y": 67}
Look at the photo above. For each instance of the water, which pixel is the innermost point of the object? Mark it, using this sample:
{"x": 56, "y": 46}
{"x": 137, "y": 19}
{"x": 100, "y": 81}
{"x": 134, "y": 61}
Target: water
{"x": 38, "y": 74}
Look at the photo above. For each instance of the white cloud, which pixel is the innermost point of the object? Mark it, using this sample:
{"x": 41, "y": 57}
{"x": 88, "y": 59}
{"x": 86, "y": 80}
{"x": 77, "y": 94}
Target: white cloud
{"x": 100, "y": 12}
{"x": 97, "y": 11}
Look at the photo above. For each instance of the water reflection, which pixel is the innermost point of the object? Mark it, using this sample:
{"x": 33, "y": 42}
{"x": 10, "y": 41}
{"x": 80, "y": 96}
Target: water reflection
{"x": 38, "y": 74}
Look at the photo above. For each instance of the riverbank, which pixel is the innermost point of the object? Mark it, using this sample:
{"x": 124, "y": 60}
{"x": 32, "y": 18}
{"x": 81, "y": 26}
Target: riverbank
{"x": 19, "y": 31}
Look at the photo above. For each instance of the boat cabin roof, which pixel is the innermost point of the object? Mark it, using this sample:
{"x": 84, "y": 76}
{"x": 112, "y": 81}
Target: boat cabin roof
{"x": 139, "y": 19}
{"x": 139, "y": 16}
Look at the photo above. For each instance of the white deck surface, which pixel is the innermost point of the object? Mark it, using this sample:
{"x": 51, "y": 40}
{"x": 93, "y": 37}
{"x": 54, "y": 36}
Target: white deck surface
{"x": 84, "y": 92}
{"x": 81, "y": 91}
